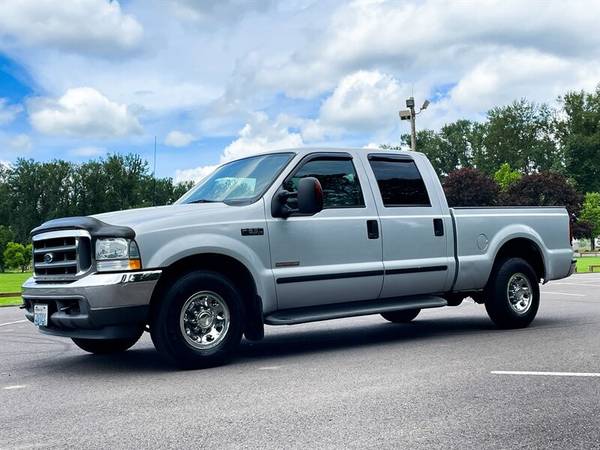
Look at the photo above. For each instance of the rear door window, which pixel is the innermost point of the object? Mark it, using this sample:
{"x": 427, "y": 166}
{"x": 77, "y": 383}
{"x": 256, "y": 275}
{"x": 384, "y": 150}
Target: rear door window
{"x": 399, "y": 181}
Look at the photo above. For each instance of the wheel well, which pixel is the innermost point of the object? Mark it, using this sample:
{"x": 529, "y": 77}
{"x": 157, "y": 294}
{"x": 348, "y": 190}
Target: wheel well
{"x": 233, "y": 269}
{"x": 526, "y": 249}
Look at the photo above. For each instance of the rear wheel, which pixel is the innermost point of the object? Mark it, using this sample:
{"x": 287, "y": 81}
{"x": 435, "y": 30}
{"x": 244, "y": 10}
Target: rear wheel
{"x": 105, "y": 346}
{"x": 512, "y": 296}
{"x": 199, "y": 322}
{"x": 404, "y": 316}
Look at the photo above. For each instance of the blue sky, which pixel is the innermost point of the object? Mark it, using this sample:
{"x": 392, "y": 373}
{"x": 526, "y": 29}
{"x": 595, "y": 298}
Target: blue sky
{"x": 217, "y": 80}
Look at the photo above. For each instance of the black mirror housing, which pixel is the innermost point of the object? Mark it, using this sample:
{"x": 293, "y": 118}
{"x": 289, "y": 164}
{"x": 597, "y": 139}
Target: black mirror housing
{"x": 309, "y": 199}
{"x": 310, "y": 196}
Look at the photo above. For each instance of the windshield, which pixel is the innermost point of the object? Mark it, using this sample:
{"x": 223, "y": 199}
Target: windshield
{"x": 239, "y": 181}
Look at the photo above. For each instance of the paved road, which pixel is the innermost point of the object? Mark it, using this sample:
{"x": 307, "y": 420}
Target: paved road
{"x": 358, "y": 382}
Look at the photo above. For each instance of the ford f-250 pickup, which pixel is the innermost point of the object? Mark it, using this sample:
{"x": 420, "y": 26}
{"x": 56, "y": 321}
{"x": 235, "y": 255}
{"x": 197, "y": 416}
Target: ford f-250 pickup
{"x": 288, "y": 237}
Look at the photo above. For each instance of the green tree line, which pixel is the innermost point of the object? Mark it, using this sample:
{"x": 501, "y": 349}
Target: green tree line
{"x": 524, "y": 153}
{"x": 33, "y": 192}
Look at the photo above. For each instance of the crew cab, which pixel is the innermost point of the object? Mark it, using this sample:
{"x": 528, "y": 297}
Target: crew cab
{"x": 283, "y": 238}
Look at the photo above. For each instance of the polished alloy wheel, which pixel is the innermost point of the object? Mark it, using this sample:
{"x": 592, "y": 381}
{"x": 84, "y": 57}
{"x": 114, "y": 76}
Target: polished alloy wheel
{"x": 204, "y": 320}
{"x": 519, "y": 293}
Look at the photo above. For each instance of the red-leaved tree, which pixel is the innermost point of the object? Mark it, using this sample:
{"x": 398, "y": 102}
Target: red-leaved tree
{"x": 470, "y": 187}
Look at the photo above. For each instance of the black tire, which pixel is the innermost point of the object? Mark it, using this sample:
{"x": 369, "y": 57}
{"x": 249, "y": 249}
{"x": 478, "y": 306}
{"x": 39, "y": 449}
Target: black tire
{"x": 404, "y": 316}
{"x": 504, "y": 312}
{"x": 106, "y": 346}
{"x": 166, "y": 331}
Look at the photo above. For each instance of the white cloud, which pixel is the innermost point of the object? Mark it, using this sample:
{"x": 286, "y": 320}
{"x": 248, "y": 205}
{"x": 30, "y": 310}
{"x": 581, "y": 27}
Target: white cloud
{"x": 89, "y": 151}
{"x": 83, "y": 26}
{"x": 258, "y": 135}
{"x": 20, "y": 143}
{"x": 177, "y": 138}
{"x": 195, "y": 174}
{"x": 82, "y": 112}
{"x": 8, "y": 112}
{"x": 364, "y": 100}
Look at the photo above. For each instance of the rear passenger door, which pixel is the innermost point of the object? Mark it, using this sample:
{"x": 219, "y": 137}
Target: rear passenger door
{"x": 415, "y": 253}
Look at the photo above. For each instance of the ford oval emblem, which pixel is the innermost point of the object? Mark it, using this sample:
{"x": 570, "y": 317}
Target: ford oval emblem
{"x": 48, "y": 258}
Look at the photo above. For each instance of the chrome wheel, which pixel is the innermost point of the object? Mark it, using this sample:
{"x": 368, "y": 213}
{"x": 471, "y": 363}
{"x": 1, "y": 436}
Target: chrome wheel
{"x": 204, "y": 320}
{"x": 519, "y": 293}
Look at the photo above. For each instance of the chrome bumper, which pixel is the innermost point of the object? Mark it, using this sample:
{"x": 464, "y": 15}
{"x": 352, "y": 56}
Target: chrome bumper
{"x": 100, "y": 305}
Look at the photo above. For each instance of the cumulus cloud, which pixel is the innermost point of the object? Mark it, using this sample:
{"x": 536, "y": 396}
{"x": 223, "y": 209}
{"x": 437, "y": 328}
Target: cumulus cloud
{"x": 258, "y": 135}
{"x": 83, "y": 26}
{"x": 82, "y": 112}
{"x": 177, "y": 138}
{"x": 20, "y": 143}
{"x": 8, "y": 112}
{"x": 364, "y": 100}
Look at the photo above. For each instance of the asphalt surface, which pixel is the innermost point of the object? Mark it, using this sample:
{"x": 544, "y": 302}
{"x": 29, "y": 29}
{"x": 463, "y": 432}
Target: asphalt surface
{"x": 358, "y": 382}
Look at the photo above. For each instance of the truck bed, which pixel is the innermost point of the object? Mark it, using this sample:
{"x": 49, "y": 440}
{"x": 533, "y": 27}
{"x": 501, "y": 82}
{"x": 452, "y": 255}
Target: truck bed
{"x": 482, "y": 231}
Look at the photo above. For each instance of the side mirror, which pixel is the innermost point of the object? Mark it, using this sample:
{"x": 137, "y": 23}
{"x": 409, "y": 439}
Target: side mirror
{"x": 309, "y": 199}
{"x": 310, "y": 196}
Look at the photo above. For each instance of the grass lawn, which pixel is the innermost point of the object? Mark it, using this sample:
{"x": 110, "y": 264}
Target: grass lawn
{"x": 11, "y": 282}
{"x": 584, "y": 262}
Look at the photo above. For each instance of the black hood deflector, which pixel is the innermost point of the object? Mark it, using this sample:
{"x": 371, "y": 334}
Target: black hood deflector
{"x": 95, "y": 227}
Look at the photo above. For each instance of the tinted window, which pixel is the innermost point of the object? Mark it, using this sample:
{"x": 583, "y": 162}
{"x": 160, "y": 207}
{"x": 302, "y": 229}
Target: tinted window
{"x": 341, "y": 188}
{"x": 400, "y": 182}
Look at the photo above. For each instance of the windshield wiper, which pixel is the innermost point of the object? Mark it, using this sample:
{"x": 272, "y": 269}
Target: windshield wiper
{"x": 204, "y": 200}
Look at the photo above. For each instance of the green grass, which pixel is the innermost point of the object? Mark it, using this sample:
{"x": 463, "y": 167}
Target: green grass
{"x": 584, "y": 262}
{"x": 11, "y": 301}
{"x": 11, "y": 282}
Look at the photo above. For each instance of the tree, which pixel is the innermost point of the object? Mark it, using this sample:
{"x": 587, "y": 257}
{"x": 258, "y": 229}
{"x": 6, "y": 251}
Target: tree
{"x": 590, "y": 213}
{"x": 521, "y": 134}
{"x": 545, "y": 189}
{"x": 505, "y": 176}
{"x": 579, "y": 133}
{"x": 470, "y": 187}
{"x": 453, "y": 147}
{"x": 18, "y": 256}
{"x": 6, "y": 236}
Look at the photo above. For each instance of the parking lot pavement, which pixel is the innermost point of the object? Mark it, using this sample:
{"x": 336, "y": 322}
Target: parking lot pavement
{"x": 448, "y": 380}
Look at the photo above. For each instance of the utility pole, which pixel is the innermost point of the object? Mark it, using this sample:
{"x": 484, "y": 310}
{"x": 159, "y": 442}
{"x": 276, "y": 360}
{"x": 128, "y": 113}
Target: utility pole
{"x": 154, "y": 175}
{"x": 410, "y": 114}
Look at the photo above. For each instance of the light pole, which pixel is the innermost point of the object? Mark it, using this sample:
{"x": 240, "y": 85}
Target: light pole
{"x": 410, "y": 114}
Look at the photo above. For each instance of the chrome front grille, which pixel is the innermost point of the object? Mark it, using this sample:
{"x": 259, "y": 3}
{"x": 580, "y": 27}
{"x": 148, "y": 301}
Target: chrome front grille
{"x": 61, "y": 255}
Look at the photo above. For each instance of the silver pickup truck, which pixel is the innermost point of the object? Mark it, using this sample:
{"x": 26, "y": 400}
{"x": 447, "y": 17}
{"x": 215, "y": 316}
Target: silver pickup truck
{"x": 288, "y": 237}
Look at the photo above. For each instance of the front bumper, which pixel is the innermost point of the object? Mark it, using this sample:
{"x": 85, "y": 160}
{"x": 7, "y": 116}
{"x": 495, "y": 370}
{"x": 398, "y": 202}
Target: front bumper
{"x": 98, "y": 306}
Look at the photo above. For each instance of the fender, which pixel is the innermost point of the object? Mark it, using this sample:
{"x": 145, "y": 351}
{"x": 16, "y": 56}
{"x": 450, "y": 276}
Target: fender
{"x": 196, "y": 244}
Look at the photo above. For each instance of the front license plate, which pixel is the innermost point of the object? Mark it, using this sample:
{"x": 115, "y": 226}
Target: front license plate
{"x": 40, "y": 315}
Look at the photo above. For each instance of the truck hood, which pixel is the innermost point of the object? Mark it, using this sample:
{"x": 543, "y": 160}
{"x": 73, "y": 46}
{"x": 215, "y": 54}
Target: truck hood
{"x": 143, "y": 218}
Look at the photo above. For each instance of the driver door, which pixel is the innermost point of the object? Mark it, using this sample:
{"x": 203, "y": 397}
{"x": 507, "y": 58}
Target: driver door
{"x": 335, "y": 255}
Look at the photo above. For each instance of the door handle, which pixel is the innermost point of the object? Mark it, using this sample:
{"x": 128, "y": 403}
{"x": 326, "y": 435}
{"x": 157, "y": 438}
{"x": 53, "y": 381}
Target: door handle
{"x": 372, "y": 229}
{"x": 438, "y": 227}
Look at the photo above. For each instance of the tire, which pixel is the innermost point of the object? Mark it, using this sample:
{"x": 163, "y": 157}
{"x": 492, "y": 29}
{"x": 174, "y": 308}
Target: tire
{"x": 199, "y": 321}
{"x": 106, "y": 346}
{"x": 403, "y": 316}
{"x": 512, "y": 296}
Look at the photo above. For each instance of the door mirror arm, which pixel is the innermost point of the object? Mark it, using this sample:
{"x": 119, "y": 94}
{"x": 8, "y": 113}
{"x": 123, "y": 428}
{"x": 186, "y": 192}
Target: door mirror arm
{"x": 279, "y": 205}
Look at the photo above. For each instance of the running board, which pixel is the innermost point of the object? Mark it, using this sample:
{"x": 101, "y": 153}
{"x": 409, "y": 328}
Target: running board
{"x": 351, "y": 309}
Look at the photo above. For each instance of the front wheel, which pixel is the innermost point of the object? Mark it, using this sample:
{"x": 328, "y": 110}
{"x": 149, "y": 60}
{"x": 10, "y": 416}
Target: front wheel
{"x": 106, "y": 346}
{"x": 512, "y": 296}
{"x": 199, "y": 322}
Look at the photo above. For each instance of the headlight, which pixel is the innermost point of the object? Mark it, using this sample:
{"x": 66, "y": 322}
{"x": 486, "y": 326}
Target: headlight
{"x": 117, "y": 254}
